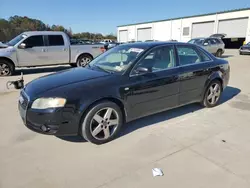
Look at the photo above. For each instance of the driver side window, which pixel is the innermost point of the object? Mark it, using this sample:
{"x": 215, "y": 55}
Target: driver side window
{"x": 158, "y": 59}
{"x": 34, "y": 41}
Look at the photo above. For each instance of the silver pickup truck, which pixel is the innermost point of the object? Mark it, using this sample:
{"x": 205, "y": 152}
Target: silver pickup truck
{"x": 43, "y": 48}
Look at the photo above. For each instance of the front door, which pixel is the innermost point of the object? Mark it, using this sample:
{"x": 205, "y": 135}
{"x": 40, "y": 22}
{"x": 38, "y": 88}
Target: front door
{"x": 157, "y": 89}
{"x": 34, "y": 53}
{"x": 194, "y": 71}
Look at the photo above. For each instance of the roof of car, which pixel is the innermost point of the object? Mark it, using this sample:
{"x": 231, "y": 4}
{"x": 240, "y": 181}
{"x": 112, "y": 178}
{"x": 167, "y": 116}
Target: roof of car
{"x": 151, "y": 44}
{"x": 43, "y": 33}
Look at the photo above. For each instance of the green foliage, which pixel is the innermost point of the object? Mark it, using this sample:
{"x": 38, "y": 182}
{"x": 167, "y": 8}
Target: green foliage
{"x": 18, "y": 24}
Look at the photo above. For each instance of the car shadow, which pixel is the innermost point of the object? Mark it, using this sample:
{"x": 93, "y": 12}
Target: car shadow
{"x": 35, "y": 70}
{"x": 226, "y": 56}
{"x": 227, "y": 95}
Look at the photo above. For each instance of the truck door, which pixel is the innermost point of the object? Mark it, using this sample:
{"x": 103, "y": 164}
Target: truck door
{"x": 32, "y": 51}
{"x": 57, "y": 49}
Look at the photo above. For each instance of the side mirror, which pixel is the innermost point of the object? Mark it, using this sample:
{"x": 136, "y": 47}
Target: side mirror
{"x": 205, "y": 44}
{"x": 141, "y": 70}
{"x": 22, "y": 46}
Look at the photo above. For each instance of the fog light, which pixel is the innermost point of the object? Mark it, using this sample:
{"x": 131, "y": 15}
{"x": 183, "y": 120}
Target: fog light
{"x": 44, "y": 128}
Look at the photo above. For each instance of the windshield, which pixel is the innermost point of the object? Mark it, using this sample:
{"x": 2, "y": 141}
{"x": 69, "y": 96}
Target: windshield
{"x": 117, "y": 59}
{"x": 17, "y": 39}
{"x": 196, "y": 41}
{"x": 248, "y": 44}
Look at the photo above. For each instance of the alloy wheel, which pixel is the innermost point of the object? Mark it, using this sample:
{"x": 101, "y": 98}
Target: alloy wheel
{"x": 84, "y": 61}
{"x": 104, "y": 123}
{"x": 214, "y": 93}
{"x": 4, "y": 69}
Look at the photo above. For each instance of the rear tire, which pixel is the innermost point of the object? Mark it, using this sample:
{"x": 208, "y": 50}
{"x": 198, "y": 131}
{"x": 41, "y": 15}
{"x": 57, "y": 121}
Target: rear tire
{"x": 84, "y": 60}
{"x": 219, "y": 53}
{"x": 6, "y": 68}
{"x": 212, "y": 94}
{"x": 102, "y": 123}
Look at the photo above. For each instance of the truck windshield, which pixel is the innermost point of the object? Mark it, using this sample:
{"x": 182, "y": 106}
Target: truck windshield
{"x": 117, "y": 59}
{"x": 17, "y": 39}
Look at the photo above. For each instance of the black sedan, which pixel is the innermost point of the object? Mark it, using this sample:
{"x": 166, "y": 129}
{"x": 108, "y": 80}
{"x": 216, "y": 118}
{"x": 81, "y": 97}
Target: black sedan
{"x": 123, "y": 84}
{"x": 245, "y": 49}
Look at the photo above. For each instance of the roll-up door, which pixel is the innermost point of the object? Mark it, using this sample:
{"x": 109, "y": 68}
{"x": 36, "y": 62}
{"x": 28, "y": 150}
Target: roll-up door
{"x": 233, "y": 28}
{"x": 123, "y": 36}
{"x": 204, "y": 29}
{"x": 144, "y": 34}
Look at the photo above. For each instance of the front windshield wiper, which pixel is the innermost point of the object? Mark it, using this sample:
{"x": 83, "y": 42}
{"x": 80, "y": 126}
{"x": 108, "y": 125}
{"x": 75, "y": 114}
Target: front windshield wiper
{"x": 105, "y": 70}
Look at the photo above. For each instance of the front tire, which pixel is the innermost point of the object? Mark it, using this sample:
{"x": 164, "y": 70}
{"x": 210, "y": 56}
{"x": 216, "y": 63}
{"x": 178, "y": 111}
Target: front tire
{"x": 6, "y": 68}
{"x": 102, "y": 123}
{"x": 212, "y": 94}
{"x": 84, "y": 60}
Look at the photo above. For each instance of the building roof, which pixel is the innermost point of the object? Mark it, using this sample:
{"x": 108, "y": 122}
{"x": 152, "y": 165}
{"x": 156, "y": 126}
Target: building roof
{"x": 227, "y": 11}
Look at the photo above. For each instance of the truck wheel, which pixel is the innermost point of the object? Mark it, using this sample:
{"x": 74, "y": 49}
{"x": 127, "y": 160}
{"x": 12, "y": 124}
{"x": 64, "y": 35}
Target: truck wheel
{"x": 84, "y": 60}
{"x": 219, "y": 53}
{"x": 102, "y": 123}
{"x": 6, "y": 68}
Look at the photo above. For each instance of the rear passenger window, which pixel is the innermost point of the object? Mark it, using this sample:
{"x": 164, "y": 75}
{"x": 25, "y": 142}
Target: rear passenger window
{"x": 213, "y": 41}
{"x": 56, "y": 40}
{"x": 188, "y": 55}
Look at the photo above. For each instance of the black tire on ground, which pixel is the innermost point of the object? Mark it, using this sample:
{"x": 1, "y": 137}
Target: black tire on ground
{"x": 219, "y": 53}
{"x": 6, "y": 68}
{"x": 207, "y": 100}
{"x": 84, "y": 60}
{"x": 87, "y": 126}
{"x": 73, "y": 64}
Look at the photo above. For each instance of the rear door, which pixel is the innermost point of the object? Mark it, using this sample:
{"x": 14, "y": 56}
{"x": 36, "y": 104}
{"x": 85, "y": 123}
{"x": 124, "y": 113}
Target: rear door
{"x": 57, "y": 49}
{"x": 195, "y": 67}
{"x": 214, "y": 46}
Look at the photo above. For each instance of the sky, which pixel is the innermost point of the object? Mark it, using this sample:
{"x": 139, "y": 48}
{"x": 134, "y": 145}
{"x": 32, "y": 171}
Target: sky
{"x": 103, "y": 16}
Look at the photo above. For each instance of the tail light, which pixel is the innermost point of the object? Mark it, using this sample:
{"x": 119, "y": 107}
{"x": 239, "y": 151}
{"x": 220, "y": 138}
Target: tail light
{"x": 102, "y": 49}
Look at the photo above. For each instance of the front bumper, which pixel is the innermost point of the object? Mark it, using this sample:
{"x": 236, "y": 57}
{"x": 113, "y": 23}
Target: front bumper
{"x": 244, "y": 51}
{"x": 59, "y": 122}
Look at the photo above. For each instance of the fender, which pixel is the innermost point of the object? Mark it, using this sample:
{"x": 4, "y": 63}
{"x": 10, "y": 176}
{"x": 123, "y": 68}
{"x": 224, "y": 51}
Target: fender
{"x": 215, "y": 75}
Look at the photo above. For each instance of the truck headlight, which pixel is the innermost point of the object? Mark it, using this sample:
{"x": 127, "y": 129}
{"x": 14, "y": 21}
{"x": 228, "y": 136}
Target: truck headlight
{"x": 44, "y": 103}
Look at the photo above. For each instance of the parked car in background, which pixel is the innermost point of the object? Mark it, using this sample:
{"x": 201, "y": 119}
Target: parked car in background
{"x": 43, "y": 48}
{"x": 104, "y": 41}
{"x": 245, "y": 49}
{"x": 214, "y": 45}
{"x": 123, "y": 84}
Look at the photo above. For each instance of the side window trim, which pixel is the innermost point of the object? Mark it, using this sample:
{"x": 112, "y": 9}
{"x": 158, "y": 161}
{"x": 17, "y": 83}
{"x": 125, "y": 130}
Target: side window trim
{"x": 150, "y": 51}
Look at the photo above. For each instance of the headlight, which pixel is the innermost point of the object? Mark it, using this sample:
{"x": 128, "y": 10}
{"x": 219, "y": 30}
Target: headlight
{"x": 44, "y": 103}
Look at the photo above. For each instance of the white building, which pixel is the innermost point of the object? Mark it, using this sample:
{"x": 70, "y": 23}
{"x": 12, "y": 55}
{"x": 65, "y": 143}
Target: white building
{"x": 234, "y": 23}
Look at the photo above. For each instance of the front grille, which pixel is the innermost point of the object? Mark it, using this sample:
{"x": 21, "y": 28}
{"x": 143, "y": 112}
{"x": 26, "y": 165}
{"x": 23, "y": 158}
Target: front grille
{"x": 25, "y": 102}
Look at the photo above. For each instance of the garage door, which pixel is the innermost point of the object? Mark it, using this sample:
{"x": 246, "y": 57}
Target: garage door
{"x": 123, "y": 36}
{"x": 144, "y": 34}
{"x": 204, "y": 29}
{"x": 234, "y": 28}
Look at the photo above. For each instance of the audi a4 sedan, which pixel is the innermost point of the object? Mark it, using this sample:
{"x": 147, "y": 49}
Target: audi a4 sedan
{"x": 125, "y": 83}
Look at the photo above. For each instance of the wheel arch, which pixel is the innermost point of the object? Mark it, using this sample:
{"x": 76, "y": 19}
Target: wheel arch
{"x": 211, "y": 78}
{"x": 115, "y": 100}
{"x": 82, "y": 54}
{"x": 9, "y": 60}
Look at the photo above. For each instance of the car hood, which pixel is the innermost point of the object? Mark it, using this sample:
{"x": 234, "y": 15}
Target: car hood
{"x": 66, "y": 77}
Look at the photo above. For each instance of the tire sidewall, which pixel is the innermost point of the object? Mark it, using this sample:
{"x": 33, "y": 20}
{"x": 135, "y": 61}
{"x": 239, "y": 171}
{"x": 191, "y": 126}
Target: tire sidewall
{"x": 86, "y": 120}
{"x": 219, "y": 53}
{"x": 205, "y": 101}
{"x": 81, "y": 57}
{"x": 11, "y": 67}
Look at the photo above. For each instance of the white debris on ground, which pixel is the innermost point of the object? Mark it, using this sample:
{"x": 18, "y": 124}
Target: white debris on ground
{"x": 157, "y": 172}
